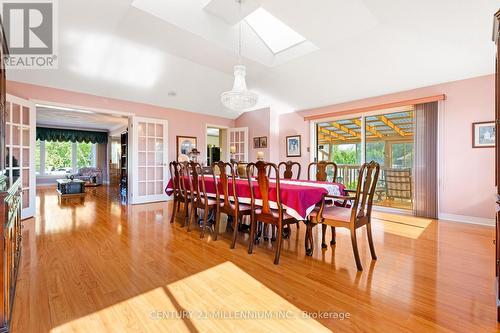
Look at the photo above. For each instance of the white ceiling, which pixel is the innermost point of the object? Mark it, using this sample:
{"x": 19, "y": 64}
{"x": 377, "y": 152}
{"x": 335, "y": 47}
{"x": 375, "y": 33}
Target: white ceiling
{"x": 53, "y": 117}
{"x": 357, "y": 49}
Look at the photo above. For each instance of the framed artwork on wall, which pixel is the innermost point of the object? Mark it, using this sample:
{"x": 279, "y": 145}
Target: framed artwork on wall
{"x": 263, "y": 142}
{"x": 483, "y": 134}
{"x": 185, "y": 144}
{"x": 256, "y": 143}
{"x": 293, "y": 143}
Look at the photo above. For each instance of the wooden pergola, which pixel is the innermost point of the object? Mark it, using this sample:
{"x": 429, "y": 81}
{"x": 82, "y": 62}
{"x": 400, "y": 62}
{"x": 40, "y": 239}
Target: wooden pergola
{"x": 394, "y": 126}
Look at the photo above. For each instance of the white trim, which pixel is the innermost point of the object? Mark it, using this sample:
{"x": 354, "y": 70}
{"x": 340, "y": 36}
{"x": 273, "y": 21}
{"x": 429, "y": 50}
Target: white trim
{"x": 467, "y": 219}
{"x": 75, "y": 106}
{"x": 245, "y": 142}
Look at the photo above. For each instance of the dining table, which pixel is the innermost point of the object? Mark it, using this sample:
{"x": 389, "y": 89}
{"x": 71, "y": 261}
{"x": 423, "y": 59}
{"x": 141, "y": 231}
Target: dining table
{"x": 298, "y": 197}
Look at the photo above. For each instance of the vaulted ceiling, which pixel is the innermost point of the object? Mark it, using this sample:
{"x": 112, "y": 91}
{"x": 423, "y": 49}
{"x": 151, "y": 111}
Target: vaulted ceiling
{"x": 180, "y": 54}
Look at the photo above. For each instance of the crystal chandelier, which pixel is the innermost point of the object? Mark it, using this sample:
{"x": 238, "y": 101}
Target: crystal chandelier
{"x": 239, "y": 98}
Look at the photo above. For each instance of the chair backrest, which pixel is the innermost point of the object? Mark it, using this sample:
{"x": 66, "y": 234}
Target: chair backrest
{"x": 197, "y": 181}
{"x": 288, "y": 174}
{"x": 222, "y": 183}
{"x": 398, "y": 183}
{"x": 322, "y": 170}
{"x": 263, "y": 187}
{"x": 183, "y": 183}
{"x": 174, "y": 175}
{"x": 367, "y": 183}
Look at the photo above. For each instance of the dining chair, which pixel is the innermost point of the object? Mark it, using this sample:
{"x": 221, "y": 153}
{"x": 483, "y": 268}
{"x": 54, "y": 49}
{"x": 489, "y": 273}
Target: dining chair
{"x": 184, "y": 190}
{"x": 322, "y": 170}
{"x": 264, "y": 213}
{"x": 227, "y": 203}
{"x": 352, "y": 218}
{"x": 199, "y": 197}
{"x": 288, "y": 173}
{"x": 174, "y": 175}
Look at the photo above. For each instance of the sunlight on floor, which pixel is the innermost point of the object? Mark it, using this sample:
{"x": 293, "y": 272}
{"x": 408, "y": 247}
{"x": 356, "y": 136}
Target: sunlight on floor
{"x": 403, "y": 225}
{"x": 221, "y": 298}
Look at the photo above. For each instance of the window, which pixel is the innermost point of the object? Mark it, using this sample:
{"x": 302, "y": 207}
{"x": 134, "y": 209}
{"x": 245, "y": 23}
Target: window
{"x": 58, "y": 159}
{"x": 274, "y": 33}
{"x": 53, "y": 158}
{"x": 388, "y": 140}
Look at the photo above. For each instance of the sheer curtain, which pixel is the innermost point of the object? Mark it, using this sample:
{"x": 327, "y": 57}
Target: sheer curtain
{"x": 425, "y": 160}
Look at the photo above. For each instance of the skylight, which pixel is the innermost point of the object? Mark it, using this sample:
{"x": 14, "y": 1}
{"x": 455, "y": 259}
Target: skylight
{"x": 274, "y": 33}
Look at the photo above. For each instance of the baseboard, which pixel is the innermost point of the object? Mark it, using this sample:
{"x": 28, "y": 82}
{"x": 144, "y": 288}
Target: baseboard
{"x": 467, "y": 219}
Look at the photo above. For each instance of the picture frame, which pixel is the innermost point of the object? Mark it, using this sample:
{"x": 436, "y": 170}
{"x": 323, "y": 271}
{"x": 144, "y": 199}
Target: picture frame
{"x": 483, "y": 134}
{"x": 293, "y": 146}
{"x": 185, "y": 144}
{"x": 256, "y": 142}
{"x": 263, "y": 142}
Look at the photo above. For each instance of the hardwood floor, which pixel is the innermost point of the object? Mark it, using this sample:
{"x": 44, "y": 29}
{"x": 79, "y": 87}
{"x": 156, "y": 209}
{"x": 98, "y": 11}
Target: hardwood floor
{"x": 101, "y": 266}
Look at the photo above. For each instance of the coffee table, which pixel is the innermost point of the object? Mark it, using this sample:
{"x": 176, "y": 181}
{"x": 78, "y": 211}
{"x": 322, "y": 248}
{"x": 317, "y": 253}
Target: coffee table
{"x": 67, "y": 188}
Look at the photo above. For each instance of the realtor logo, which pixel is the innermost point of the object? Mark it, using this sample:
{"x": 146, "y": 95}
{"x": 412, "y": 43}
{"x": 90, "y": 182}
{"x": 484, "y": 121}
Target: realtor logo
{"x": 30, "y": 30}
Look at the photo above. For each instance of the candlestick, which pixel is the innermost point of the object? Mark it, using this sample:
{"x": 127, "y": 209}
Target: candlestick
{"x": 260, "y": 155}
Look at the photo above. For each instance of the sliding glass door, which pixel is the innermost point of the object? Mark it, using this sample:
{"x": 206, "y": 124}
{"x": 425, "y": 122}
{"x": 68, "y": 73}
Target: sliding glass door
{"x": 384, "y": 137}
{"x": 389, "y": 141}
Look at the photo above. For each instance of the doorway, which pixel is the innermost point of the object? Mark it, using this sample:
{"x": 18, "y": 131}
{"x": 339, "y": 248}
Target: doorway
{"x": 216, "y": 141}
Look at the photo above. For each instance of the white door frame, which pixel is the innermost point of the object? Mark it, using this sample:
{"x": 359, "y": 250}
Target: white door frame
{"x": 133, "y": 161}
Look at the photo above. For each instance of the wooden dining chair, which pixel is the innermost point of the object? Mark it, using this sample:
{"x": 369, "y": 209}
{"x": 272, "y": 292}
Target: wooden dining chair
{"x": 199, "y": 197}
{"x": 322, "y": 170}
{"x": 263, "y": 213}
{"x": 232, "y": 207}
{"x": 184, "y": 191}
{"x": 288, "y": 173}
{"x": 354, "y": 217}
{"x": 174, "y": 175}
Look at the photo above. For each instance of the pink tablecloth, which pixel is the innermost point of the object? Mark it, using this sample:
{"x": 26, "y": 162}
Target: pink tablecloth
{"x": 297, "y": 197}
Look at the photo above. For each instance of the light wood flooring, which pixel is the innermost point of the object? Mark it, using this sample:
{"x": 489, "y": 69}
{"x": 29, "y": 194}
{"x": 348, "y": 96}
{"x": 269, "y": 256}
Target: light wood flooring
{"x": 101, "y": 266}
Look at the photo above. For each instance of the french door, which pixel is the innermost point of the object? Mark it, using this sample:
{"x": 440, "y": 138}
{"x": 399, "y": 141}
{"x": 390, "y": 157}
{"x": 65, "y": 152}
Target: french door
{"x": 149, "y": 159}
{"x": 20, "y": 149}
{"x": 238, "y": 143}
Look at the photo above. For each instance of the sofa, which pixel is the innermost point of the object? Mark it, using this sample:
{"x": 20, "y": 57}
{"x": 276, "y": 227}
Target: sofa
{"x": 90, "y": 175}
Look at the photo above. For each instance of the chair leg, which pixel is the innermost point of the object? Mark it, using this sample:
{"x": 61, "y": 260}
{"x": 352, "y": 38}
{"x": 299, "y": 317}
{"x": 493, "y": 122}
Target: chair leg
{"x": 174, "y": 206}
{"x": 278, "y": 246}
{"x": 192, "y": 215}
{"x": 323, "y": 236}
{"x": 370, "y": 240}
{"x": 217, "y": 223}
{"x": 355, "y": 250}
{"x": 186, "y": 213}
{"x": 178, "y": 206}
{"x": 235, "y": 231}
{"x": 334, "y": 234}
{"x": 205, "y": 219}
{"x": 309, "y": 245}
{"x": 252, "y": 234}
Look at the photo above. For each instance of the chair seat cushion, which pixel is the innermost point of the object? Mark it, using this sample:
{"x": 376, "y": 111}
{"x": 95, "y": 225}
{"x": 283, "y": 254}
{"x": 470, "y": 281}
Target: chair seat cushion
{"x": 243, "y": 208}
{"x": 286, "y": 216}
{"x": 334, "y": 213}
{"x": 211, "y": 202}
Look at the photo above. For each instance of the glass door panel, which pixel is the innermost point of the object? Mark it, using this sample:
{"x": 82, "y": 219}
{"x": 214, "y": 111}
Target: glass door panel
{"x": 238, "y": 143}
{"x": 389, "y": 141}
{"x": 150, "y": 159}
{"x": 20, "y": 146}
{"x": 339, "y": 141}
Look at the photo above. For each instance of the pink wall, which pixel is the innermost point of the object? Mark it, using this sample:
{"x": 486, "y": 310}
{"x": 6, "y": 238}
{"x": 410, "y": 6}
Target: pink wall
{"x": 179, "y": 122}
{"x": 467, "y": 176}
{"x": 258, "y": 125}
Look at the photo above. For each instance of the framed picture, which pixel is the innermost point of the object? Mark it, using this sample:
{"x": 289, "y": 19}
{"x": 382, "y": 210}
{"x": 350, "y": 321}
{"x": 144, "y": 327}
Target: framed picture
{"x": 293, "y": 143}
{"x": 256, "y": 142}
{"x": 483, "y": 134}
{"x": 263, "y": 142}
{"x": 185, "y": 144}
